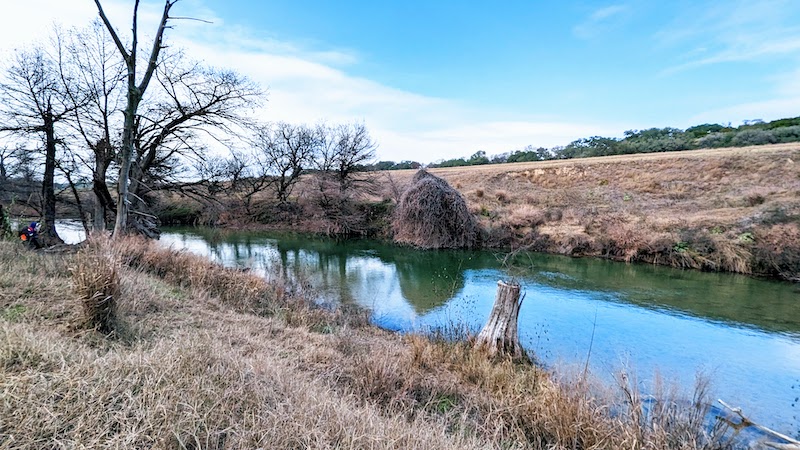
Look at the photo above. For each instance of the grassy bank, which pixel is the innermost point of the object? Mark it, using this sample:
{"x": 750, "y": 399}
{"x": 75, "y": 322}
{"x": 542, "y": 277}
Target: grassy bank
{"x": 197, "y": 356}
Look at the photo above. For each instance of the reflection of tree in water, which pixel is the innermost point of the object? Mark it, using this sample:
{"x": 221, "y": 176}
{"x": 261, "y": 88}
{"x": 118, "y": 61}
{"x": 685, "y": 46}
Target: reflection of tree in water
{"x": 429, "y": 279}
{"x": 427, "y": 283}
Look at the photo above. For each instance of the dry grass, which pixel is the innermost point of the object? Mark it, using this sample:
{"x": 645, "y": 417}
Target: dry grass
{"x": 198, "y": 367}
{"x": 96, "y": 279}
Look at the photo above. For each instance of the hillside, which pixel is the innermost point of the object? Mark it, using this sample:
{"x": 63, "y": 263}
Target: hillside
{"x": 732, "y": 209}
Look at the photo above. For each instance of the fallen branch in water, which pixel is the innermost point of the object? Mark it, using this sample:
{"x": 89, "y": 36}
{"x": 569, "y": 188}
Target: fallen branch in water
{"x": 793, "y": 444}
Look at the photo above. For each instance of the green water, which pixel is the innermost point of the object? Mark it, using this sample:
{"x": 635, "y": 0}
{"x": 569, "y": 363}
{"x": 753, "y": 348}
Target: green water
{"x": 743, "y": 332}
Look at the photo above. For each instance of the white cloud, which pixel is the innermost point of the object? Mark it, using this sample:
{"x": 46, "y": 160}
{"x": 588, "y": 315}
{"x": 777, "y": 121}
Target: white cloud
{"x": 312, "y": 84}
{"x": 599, "y": 21}
{"x": 731, "y": 32}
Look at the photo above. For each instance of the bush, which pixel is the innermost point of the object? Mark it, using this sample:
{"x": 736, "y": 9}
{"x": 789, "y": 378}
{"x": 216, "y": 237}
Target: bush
{"x": 715, "y": 140}
{"x": 96, "y": 279}
{"x": 753, "y": 137}
{"x": 787, "y": 134}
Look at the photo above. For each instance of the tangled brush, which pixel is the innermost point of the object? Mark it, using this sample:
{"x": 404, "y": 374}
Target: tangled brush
{"x": 431, "y": 215}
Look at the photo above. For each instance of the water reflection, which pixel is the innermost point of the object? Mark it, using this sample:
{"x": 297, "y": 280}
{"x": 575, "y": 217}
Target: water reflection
{"x": 744, "y": 331}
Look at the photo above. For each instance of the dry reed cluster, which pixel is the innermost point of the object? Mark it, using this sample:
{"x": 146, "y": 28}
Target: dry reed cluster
{"x": 431, "y": 214}
{"x": 96, "y": 279}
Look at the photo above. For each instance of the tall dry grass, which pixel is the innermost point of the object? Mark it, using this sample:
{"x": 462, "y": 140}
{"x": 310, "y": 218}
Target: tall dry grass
{"x": 95, "y": 277}
{"x": 201, "y": 367}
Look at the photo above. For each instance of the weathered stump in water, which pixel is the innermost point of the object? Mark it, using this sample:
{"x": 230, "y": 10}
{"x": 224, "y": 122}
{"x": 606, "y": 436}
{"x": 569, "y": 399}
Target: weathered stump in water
{"x": 499, "y": 335}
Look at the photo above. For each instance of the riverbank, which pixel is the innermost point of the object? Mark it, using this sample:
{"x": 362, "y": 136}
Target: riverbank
{"x": 734, "y": 209}
{"x": 206, "y": 357}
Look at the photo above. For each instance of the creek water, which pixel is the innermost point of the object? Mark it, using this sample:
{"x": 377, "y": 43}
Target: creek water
{"x": 742, "y": 332}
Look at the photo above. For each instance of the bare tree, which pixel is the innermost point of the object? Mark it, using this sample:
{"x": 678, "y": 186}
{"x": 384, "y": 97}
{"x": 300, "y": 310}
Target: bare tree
{"x": 31, "y": 106}
{"x": 92, "y": 76}
{"x": 341, "y": 152}
{"x": 285, "y": 150}
{"x": 135, "y": 93}
{"x": 348, "y": 149}
{"x": 194, "y": 106}
{"x": 246, "y": 178}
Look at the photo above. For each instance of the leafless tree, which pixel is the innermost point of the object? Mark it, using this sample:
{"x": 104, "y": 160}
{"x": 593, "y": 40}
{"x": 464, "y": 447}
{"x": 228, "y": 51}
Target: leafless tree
{"x": 247, "y": 178}
{"x": 135, "y": 92}
{"x": 194, "y": 106}
{"x": 32, "y": 107}
{"x": 92, "y": 76}
{"x": 285, "y": 150}
{"x": 353, "y": 149}
{"x": 341, "y": 152}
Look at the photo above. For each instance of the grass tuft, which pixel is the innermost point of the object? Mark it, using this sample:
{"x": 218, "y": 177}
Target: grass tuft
{"x": 95, "y": 276}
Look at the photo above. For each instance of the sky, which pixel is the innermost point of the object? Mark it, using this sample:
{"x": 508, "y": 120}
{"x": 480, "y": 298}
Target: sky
{"x": 442, "y": 79}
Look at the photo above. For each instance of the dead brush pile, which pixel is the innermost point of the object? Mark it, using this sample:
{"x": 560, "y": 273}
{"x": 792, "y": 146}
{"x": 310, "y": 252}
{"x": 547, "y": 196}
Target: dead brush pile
{"x": 433, "y": 215}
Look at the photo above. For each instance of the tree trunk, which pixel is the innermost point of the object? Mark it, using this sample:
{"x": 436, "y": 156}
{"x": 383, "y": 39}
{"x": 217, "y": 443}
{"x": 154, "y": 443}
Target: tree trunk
{"x": 49, "y": 235}
{"x": 499, "y": 335}
{"x": 104, "y": 203}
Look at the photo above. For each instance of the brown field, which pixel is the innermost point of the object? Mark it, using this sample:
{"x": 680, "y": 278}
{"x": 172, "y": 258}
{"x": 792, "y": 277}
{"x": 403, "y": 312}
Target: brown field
{"x": 201, "y": 357}
{"x": 732, "y": 209}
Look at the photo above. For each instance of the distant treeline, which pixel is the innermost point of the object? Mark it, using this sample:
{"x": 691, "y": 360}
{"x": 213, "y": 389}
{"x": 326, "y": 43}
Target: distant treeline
{"x": 752, "y": 132}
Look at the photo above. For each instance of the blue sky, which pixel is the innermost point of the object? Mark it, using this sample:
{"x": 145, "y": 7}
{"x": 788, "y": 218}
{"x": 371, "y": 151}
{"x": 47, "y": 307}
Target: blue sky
{"x": 443, "y": 79}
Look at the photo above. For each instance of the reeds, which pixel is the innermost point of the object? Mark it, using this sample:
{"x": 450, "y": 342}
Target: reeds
{"x": 96, "y": 279}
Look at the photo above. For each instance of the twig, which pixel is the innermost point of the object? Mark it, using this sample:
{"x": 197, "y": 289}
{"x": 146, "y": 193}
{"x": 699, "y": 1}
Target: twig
{"x": 793, "y": 444}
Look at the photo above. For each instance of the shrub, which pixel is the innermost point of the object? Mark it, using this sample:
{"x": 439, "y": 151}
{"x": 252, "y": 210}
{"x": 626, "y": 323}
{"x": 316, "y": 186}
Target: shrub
{"x": 715, "y": 140}
{"x": 787, "y": 134}
{"x": 431, "y": 214}
{"x": 753, "y": 137}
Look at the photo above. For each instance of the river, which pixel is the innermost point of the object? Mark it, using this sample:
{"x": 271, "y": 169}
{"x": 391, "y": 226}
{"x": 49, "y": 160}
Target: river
{"x": 742, "y": 332}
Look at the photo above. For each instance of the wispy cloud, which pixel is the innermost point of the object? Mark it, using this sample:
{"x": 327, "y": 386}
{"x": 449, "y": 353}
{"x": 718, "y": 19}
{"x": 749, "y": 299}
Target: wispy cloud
{"x": 731, "y": 32}
{"x": 600, "y": 21}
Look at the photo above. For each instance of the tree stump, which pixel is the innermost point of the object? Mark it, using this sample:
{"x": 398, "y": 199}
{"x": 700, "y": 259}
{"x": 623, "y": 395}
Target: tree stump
{"x": 499, "y": 335}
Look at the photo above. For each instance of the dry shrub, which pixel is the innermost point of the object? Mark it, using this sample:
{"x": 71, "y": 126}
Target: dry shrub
{"x": 525, "y": 216}
{"x": 777, "y": 251}
{"x": 95, "y": 276}
{"x": 521, "y": 405}
{"x": 431, "y": 214}
{"x": 244, "y": 291}
{"x": 502, "y": 196}
{"x": 621, "y": 238}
